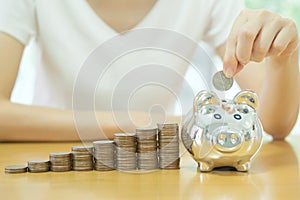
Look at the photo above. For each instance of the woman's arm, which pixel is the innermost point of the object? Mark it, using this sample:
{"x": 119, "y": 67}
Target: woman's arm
{"x": 262, "y": 53}
{"x": 33, "y": 123}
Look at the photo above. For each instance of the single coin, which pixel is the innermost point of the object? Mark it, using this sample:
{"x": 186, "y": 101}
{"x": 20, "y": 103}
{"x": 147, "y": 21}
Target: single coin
{"x": 221, "y": 82}
{"x": 16, "y": 169}
{"x": 82, "y": 148}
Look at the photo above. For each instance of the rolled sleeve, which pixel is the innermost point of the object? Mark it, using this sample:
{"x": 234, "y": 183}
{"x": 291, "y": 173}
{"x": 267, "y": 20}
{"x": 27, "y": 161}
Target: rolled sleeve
{"x": 17, "y": 19}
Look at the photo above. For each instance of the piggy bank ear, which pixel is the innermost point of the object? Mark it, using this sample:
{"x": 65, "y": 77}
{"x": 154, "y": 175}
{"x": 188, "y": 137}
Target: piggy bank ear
{"x": 205, "y": 98}
{"x": 247, "y": 97}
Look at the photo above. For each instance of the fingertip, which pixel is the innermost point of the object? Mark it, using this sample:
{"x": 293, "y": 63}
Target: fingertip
{"x": 229, "y": 67}
{"x": 229, "y": 73}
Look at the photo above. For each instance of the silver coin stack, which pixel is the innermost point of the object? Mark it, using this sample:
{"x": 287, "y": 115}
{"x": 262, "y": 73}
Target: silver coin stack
{"x": 147, "y": 148}
{"x": 168, "y": 137}
{"x": 16, "y": 169}
{"x": 125, "y": 151}
{"x": 82, "y": 158}
{"x": 104, "y": 151}
{"x": 36, "y": 166}
{"x": 60, "y": 161}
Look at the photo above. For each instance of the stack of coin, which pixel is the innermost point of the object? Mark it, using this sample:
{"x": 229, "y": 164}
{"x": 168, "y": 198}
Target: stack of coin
{"x": 125, "y": 151}
{"x": 104, "y": 151}
{"x": 168, "y": 137}
{"x": 60, "y": 161}
{"x": 16, "y": 169}
{"x": 82, "y": 158}
{"x": 38, "y": 166}
{"x": 147, "y": 148}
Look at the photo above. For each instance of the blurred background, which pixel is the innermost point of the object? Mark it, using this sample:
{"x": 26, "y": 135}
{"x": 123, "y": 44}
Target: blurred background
{"x": 24, "y": 86}
{"x": 286, "y": 8}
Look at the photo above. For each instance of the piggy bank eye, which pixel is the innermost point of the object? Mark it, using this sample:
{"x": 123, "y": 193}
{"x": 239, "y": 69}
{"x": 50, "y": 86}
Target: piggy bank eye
{"x": 237, "y": 116}
{"x": 217, "y": 116}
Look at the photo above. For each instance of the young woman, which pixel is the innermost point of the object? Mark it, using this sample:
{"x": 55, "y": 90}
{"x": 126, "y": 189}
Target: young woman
{"x": 259, "y": 49}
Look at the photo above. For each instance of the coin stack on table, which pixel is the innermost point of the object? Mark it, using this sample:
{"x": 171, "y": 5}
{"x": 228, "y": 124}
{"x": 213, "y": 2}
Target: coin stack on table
{"x": 147, "y": 148}
{"x": 125, "y": 151}
{"x": 104, "y": 151}
{"x": 168, "y": 137}
{"x": 60, "y": 161}
{"x": 36, "y": 166}
{"x": 16, "y": 169}
{"x": 82, "y": 158}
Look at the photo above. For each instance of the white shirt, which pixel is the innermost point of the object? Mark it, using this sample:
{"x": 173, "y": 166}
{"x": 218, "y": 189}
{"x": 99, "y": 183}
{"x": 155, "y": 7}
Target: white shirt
{"x": 67, "y": 31}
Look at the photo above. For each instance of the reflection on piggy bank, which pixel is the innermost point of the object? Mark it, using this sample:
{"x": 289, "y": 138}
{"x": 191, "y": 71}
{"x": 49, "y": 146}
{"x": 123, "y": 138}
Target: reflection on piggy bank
{"x": 223, "y": 133}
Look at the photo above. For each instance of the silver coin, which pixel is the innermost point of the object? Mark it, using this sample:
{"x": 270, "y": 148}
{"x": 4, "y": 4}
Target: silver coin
{"x": 16, "y": 169}
{"x": 83, "y": 148}
{"x": 221, "y": 82}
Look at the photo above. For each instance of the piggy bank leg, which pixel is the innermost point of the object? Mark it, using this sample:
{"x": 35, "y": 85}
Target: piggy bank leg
{"x": 243, "y": 166}
{"x": 205, "y": 166}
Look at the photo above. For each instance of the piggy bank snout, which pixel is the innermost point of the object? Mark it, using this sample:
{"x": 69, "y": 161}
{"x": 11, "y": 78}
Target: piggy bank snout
{"x": 226, "y": 139}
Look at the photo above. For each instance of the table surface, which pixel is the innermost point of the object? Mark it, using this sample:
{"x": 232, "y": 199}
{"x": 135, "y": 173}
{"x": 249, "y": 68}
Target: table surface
{"x": 274, "y": 175}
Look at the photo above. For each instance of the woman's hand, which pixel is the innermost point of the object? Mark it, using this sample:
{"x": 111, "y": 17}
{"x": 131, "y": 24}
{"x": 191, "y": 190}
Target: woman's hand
{"x": 257, "y": 34}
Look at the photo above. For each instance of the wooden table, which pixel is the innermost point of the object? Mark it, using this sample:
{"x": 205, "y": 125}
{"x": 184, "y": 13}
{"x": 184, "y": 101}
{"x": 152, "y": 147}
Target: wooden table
{"x": 274, "y": 175}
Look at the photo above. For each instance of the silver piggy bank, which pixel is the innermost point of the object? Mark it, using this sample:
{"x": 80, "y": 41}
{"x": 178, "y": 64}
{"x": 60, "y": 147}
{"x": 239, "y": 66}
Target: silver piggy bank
{"x": 222, "y": 133}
